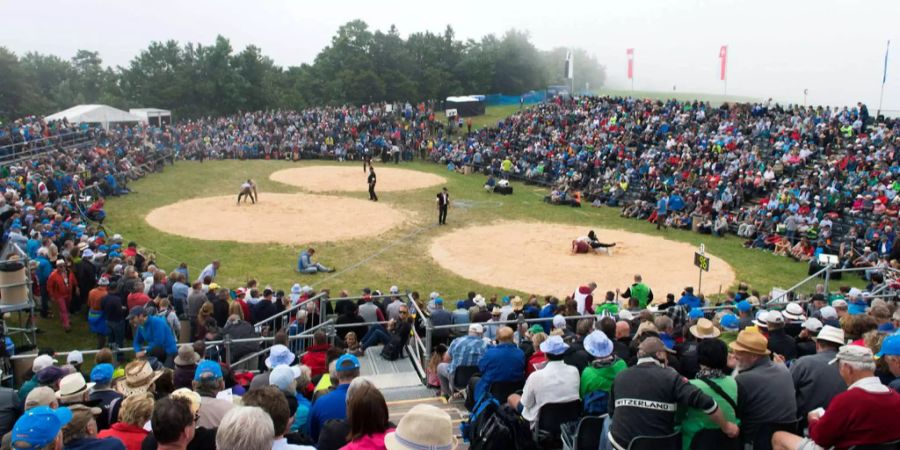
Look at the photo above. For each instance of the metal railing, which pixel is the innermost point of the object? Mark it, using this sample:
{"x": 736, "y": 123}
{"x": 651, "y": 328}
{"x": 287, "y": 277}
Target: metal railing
{"x": 826, "y": 272}
{"x": 283, "y": 318}
{"x": 11, "y": 153}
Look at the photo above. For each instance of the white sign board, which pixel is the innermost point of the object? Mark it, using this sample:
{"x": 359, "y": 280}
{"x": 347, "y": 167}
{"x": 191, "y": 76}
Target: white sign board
{"x": 451, "y": 112}
{"x": 389, "y": 108}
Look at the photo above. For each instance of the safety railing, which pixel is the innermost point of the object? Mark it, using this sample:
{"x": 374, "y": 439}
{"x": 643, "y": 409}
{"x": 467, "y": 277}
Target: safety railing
{"x": 825, "y": 274}
{"x": 282, "y": 320}
{"x": 18, "y": 151}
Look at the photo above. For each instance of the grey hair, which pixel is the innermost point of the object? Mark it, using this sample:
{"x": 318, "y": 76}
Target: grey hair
{"x": 868, "y": 366}
{"x": 305, "y": 375}
{"x": 245, "y": 428}
{"x": 355, "y": 386}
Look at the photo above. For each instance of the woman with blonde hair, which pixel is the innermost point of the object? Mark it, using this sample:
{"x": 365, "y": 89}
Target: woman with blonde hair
{"x": 537, "y": 359}
{"x": 134, "y": 413}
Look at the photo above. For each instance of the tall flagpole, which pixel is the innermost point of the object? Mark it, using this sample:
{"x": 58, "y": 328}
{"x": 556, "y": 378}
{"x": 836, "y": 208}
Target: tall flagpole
{"x": 883, "y": 77}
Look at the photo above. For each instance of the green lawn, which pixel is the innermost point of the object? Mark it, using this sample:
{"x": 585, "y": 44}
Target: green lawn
{"x": 398, "y": 258}
{"x": 491, "y": 115}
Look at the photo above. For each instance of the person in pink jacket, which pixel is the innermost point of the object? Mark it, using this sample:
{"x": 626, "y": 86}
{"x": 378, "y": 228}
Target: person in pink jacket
{"x": 367, "y": 415}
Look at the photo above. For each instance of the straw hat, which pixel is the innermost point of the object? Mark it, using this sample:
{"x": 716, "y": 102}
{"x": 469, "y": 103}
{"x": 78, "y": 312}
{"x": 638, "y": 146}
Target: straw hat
{"x": 705, "y": 329}
{"x": 749, "y": 341}
{"x": 517, "y": 303}
{"x": 424, "y": 426}
{"x": 138, "y": 378}
{"x": 72, "y": 388}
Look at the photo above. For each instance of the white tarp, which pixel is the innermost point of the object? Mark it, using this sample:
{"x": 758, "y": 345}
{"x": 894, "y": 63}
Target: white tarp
{"x": 102, "y": 114}
{"x": 146, "y": 113}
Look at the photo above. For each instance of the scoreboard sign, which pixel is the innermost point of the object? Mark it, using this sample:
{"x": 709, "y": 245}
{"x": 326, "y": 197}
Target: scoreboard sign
{"x": 701, "y": 261}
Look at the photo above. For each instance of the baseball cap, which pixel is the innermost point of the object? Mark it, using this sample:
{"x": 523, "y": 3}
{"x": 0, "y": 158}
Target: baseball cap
{"x": 890, "y": 346}
{"x": 136, "y": 311}
{"x": 103, "y": 281}
{"x": 476, "y": 328}
{"x": 346, "y": 362}
{"x": 39, "y": 426}
{"x": 208, "y": 369}
{"x": 42, "y": 362}
{"x": 102, "y": 373}
{"x": 40, "y": 396}
{"x": 695, "y": 313}
{"x": 729, "y": 322}
{"x": 75, "y": 357}
{"x": 812, "y": 324}
{"x": 744, "y": 306}
{"x": 853, "y": 354}
{"x": 652, "y": 346}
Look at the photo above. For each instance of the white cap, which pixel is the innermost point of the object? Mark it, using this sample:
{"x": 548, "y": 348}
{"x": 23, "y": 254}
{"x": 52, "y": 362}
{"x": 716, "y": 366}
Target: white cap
{"x": 42, "y": 362}
{"x": 433, "y": 295}
{"x": 774, "y": 317}
{"x": 395, "y": 290}
{"x": 559, "y": 321}
{"x": 812, "y": 324}
{"x": 476, "y": 328}
{"x": 828, "y": 312}
{"x": 75, "y": 357}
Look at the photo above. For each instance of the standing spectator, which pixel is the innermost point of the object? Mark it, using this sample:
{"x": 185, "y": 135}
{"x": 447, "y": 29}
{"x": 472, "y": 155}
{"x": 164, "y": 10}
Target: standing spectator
{"x": 864, "y": 414}
{"x": 712, "y": 355}
{"x": 86, "y": 278}
{"x": 209, "y": 271}
{"x": 180, "y": 293}
{"x": 151, "y": 332}
{"x": 890, "y": 353}
{"x": 367, "y": 417}
{"x": 639, "y": 292}
{"x": 440, "y": 317}
{"x": 765, "y": 389}
{"x": 96, "y": 319}
{"x": 816, "y": 380}
{"x": 40, "y": 428}
{"x": 556, "y": 382}
{"x": 60, "y": 285}
{"x": 245, "y": 428}
{"x": 463, "y": 351}
{"x": 134, "y": 413}
{"x": 333, "y": 405}
{"x": 44, "y": 270}
{"x": 662, "y": 209}
{"x": 208, "y": 382}
{"x": 195, "y": 301}
{"x": 645, "y": 398}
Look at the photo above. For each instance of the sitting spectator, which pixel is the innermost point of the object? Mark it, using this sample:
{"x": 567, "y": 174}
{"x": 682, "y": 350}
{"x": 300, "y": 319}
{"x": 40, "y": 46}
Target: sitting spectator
{"x": 816, "y": 380}
{"x": 858, "y": 416}
{"x": 333, "y": 405}
{"x": 208, "y": 382}
{"x": 463, "y": 351}
{"x": 597, "y": 378}
{"x": 134, "y": 413}
{"x": 538, "y": 359}
{"x": 557, "y": 382}
{"x": 712, "y": 355}
{"x": 424, "y": 426}
{"x": 501, "y": 362}
{"x": 367, "y": 416}
{"x": 81, "y": 431}
{"x": 271, "y": 400}
{"x": 40, "y": 428}
{"x": 640, "y": 392}
{"x": 765, "y": 389}
{"x": 185, "y": 366}
{"x": 778, "y": 340}
{"x": 173, "y": 424}
{"x": 245, "y": 428}
{"x": 315, "y": 355}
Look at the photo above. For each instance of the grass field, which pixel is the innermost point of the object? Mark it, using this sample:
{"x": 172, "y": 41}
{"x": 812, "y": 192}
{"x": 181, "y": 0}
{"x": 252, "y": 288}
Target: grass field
{"x": 491, "y": 115}
{"x": 400, "y": 257}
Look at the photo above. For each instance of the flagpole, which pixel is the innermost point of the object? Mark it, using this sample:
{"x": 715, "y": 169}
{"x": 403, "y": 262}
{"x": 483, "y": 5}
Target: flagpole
{"x": 887, "y": 50}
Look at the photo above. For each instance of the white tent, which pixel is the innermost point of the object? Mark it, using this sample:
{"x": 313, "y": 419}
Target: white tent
{"x": 98, "y": 114}
{"x": 153, "y": 116}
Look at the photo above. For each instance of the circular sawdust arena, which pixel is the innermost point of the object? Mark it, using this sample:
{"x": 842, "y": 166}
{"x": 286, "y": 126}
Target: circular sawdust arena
{"x": 536, "y": 258}
{"x": 277, "y": 218}
{"x": 340, "y": 179}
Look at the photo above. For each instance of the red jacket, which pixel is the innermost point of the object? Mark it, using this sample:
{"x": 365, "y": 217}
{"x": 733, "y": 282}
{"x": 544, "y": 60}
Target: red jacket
{"x": 314, "y": 358}
{"x": 130, "y": 435}
{"x": 56, "y": 285}
{"x": 857, "y": 417}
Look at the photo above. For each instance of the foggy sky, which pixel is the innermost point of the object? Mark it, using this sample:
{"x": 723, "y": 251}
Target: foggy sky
{"x": 776, "y": 48}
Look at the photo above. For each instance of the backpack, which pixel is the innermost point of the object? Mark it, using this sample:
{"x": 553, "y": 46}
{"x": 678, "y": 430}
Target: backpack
{"x": 493, "y": 426}
{"x": 392, "y": 349}
{"x": 596, "y": 403}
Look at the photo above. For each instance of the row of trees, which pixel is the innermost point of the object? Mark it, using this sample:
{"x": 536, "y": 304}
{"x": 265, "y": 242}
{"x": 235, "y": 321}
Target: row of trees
{"x": 359, "y": 66}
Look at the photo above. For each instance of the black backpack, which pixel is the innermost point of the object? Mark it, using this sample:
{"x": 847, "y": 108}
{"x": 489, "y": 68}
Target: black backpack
{"x": 493, "y": 426}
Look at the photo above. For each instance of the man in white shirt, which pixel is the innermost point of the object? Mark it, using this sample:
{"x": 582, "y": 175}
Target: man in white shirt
{"x": 557, "y": 382}
{"x": 210, "y": 270}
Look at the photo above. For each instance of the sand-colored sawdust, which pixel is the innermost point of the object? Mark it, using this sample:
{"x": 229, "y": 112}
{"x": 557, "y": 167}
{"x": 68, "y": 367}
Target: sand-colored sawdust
{"x": 277, "y": 218}
{"x": 535, "y": 258}
{"x": 353, "y": 179}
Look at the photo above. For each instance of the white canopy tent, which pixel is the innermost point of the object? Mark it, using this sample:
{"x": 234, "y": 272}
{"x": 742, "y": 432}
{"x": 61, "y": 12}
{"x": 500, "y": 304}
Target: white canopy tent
{"x": 99, "y": 114}
{"x": 153, "y": 116}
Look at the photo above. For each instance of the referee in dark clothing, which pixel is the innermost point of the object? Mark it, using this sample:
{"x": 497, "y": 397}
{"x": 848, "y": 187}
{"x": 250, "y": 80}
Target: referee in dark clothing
{"x": 443, "y": 202}
{"x": 372, "y": 180}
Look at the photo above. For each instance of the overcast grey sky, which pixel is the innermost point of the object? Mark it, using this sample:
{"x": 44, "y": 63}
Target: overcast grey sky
{"x": 776, "y": 48}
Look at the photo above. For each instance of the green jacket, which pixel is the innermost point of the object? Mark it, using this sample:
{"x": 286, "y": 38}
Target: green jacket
{"x": 693, "y": 420}
{"x": 600, "y": 379}
{"x": 641, "y": 292}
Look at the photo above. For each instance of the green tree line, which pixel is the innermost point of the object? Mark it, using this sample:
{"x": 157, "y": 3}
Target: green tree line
{"x": 359, "y": 66}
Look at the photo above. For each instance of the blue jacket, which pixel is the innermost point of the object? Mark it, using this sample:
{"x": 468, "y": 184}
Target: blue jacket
{"x": 304, "y": 261}
{"x": 548, "y": 311}
{"x": 332, "y": 405}
{"x": 155, "y": 332}
{"x": 44, "y": 270}
{"x": 690, "y": 300}
{"x": 93, "y": 443}
{"x": 503, "y": 362}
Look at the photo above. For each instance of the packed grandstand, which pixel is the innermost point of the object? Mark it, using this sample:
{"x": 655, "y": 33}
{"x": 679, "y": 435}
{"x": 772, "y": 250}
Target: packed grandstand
{"x": 665, "y": 369}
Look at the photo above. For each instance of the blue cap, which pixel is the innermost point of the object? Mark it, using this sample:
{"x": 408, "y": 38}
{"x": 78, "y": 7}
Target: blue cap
{"x": 346, "y": 362}
{"x": 744, "y": 306}
{"x": 102, "y": 373}
{"x": 461, "y": 304}
{"x": 890, "y": 346}
{"x": 730, "y": 322}
{"x": 208, "y": 369}
{"x": 39, "y": 426}
{"x": 438, "y": 301}
{"x": 696, "y": 313}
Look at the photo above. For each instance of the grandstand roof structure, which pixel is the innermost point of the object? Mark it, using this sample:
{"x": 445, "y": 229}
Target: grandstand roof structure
{"x": 99, "y": 114}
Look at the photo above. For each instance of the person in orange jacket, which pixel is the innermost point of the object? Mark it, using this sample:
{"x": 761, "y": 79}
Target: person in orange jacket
{"x": 60, "y": 286}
